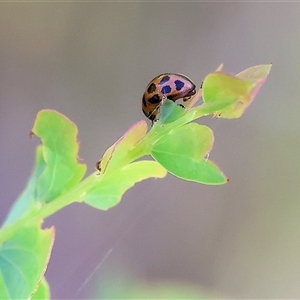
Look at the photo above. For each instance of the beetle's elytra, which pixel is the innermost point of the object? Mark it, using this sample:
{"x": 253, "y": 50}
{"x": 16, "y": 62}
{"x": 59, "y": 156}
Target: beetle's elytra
{"x": 173, "y": 86}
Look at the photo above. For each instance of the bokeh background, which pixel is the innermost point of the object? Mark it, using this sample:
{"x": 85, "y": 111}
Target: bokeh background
{"x": 92, "y": 61}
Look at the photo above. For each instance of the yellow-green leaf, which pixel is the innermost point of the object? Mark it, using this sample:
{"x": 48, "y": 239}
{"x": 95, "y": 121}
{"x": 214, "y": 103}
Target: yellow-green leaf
{"x": 110, "y": 188}
{"x": 182, "y": 152}
{"x": 60, "y": 154}
{"x": 124, "y": 144}
{"x": 23, "y": 261}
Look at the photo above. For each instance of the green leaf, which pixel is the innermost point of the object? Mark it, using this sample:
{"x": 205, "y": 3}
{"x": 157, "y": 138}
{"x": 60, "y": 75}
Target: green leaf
{"x": 110, "y": 188}
{"x": 170, "y": 111}
{"x": 257, "y": 74}
{"x": 42, "y": 292}
{"x": 241, "y": 89}
{"x": 27, "y": 198}
{"x": 23, "y": 261}
{"x": 220, "y": 86}
{"x": 182, "y": 152}
{"x": 123, "y": 145}
{"x": 60, "y": 154}
{"x": 210, "y": 108}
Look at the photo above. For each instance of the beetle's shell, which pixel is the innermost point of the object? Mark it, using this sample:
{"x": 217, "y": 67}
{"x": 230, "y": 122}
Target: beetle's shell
{"x": 173, "y": 86}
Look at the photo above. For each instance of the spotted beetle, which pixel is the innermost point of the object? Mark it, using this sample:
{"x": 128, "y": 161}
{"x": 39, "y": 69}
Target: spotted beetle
{"x": 173, "y": 86}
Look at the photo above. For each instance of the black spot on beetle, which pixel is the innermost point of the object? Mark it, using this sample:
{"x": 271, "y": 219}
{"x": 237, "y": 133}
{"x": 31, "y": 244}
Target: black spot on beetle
{"x": 151, "y": 88}
{"x": 144, "y": 101}
{"x": 154, "y": 99}
{"x": 179, "y": 85}
{"x": 164, "y": 79}
{"x": 166, "y": 89}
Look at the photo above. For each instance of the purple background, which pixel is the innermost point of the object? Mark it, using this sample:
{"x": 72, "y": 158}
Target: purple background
{"x": 92, "y": 62}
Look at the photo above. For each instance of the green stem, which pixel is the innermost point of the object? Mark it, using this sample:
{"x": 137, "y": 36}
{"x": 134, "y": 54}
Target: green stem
{"x": 141, "y": 149}
{"x": 38, "y": 214}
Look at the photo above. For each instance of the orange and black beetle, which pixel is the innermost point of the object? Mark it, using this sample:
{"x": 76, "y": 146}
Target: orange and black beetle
{"x": 173, "y": 86}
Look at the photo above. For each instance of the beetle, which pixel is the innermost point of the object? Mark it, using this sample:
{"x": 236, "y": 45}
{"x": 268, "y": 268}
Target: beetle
{"x": 173, "y": 86}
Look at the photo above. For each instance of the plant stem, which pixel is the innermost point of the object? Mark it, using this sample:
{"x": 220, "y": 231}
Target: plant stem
{"x": 38, "y": 214}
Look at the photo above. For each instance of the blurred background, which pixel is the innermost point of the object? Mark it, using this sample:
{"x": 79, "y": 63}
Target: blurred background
{"x": 92, "y": 62}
